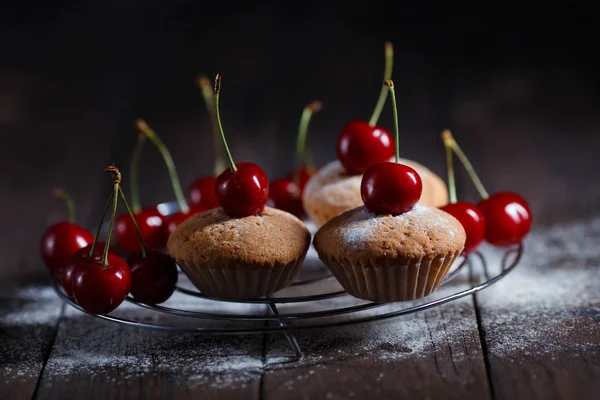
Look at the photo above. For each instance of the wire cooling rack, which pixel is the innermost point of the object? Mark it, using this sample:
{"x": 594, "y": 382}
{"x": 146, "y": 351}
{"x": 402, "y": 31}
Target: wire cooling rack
{"x": 313, "y": 300}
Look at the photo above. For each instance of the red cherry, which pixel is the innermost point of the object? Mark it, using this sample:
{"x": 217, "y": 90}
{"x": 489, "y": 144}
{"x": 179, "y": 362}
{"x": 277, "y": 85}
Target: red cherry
{"x": 360, "y": 145}
{"x": 284, "y": 194}
{"x": 77, "y": 258}
{"x": 471, "y": 219}
{"x": 507, "y": 218}
{"x": 99, "y": 289}
{"x": 174, "y": 220}
{"x": 390, "y": 188}
{"x": 202, "y": 193}
{"x": 60, "y": 241}
{"x": 243, "y": 192}
{"x": 151, "y": 224}
{"x": 153, "y": 278}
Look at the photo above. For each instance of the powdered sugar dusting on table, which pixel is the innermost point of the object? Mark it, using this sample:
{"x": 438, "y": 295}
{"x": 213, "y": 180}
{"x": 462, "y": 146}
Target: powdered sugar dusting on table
{"x": 553, "y": 290}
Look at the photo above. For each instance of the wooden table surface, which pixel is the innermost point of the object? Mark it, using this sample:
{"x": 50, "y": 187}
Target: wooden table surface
{"x": 533, "y": 335}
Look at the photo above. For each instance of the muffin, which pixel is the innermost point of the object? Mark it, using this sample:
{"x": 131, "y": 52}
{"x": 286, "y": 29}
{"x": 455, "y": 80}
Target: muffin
{"x": 240, "y": 258}
{"x": 332, "y": 191}
{"x": 387, "y": 258}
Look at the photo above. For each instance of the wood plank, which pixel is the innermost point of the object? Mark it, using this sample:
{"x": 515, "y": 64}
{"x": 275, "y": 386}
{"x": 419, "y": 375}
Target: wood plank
{"x": 541, "y": 323}
{"x": 104, "y": 360}
{"x": 430, "y": 354}
{"x": 28, "y": 320}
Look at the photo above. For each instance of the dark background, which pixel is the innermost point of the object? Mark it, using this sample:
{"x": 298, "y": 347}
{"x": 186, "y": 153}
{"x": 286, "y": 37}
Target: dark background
{"x": 518, "y": 85}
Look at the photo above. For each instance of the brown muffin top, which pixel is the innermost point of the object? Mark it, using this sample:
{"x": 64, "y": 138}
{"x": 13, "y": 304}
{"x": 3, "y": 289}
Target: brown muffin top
{"x": 367, "y": 239}
{"x": 215, "y": 239}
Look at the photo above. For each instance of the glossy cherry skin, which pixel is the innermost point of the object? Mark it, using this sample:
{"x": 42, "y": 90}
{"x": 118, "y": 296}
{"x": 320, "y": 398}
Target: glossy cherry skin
{"x": 153, "y": 278}
{"x": 285, "y": 195}
{"x": 360, "y": 146}
{"x": 471, "y": 219}
{"x": 77, "y": 258}
{"x": 151, "y": 223}
{"x": 390, "y": 188}
{"x": 174, "y": 220}
{"x": 507, "y": 218}
{"x": 60, "y": 241}
{"x": 202, "y": 193}
{"x": 244, "y": 192}
{"x": 100, "y": 289}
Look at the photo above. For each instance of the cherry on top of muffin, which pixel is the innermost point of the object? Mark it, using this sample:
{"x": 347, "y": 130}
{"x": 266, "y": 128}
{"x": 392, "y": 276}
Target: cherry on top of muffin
{"x": 242, "y": 189}
{"x": 391, "y": 187}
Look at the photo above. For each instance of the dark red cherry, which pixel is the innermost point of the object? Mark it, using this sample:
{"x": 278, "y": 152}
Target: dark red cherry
{"x": 243, "y": 192}
{"x": 153, "y": 278}
{"x": 100, "y": 289}
{"x": 471, "y": 219}
{"x": 507, "y": 218}
{"x": 390, "y": 188}
{"x": 60, "y": 241}
{"x": 360, "y": 146}
{"x": 202, "y": 193}
{"x": 77, "y": 258}
{"x": 151, "y": 223}
{"x": 285, "y": 195}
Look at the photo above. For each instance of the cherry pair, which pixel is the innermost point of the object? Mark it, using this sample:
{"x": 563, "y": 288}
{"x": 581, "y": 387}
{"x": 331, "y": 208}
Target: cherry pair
{"x": 502, "y": 219}
{"x": 98, "y": 279}
{"x": 286, "y": 193}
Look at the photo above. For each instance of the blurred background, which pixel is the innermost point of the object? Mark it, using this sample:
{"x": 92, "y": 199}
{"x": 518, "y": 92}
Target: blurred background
{"x": 518, "y": 86}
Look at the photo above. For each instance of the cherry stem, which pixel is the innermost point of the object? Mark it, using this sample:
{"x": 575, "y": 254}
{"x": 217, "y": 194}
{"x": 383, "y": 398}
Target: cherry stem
{"x": 390, "y": 87}
{"x": 448, "y": 138}
{"x": 450, "y": 167}
{"x": 62, "y": 194}
{"x": 133, "y": 221}
{"x": 217, "y": 91}
{"x": 164, "y": 151}
{"x": 97, "y": 235}
{"x": 134, "y": 192}
{"x": 116, "y": 175}
{"x": 387, "y": 75}
{"x": 207, "y": 92}
{"x": 307, "y": 112}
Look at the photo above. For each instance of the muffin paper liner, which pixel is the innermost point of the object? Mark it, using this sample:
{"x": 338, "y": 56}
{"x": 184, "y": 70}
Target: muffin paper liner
{"x": 241, "y": 282}
{"x": 408, "y": 280}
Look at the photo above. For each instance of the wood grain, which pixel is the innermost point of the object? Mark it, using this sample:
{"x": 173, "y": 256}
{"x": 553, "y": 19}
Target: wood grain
{"x": 28, "y": 320}
{"x": 92, "y": 358}
{"x": 541, "y": 324}
{"x": 432, "y": 354}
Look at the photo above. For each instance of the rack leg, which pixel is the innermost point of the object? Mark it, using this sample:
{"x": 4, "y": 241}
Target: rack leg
{"x": 288, "y": 334}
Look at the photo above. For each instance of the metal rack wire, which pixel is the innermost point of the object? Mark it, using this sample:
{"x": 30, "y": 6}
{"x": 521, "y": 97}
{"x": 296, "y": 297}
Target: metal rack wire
{"x": 272, "y": 320}
{"x": 275, "y": 321}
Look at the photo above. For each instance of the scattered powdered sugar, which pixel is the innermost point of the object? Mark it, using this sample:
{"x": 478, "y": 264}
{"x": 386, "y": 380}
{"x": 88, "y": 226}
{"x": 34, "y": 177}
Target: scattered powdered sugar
{"x": 32, "y": 305}
{"x": 364, "y": 224}
{"x": 361, "y": 227}
{"x": 411, "y": 336}
{"x": 87, "y": 347}
{"x": 547, "y": 304}
{"x": 551, "y": 298}
{"x": 27, "y": 323}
